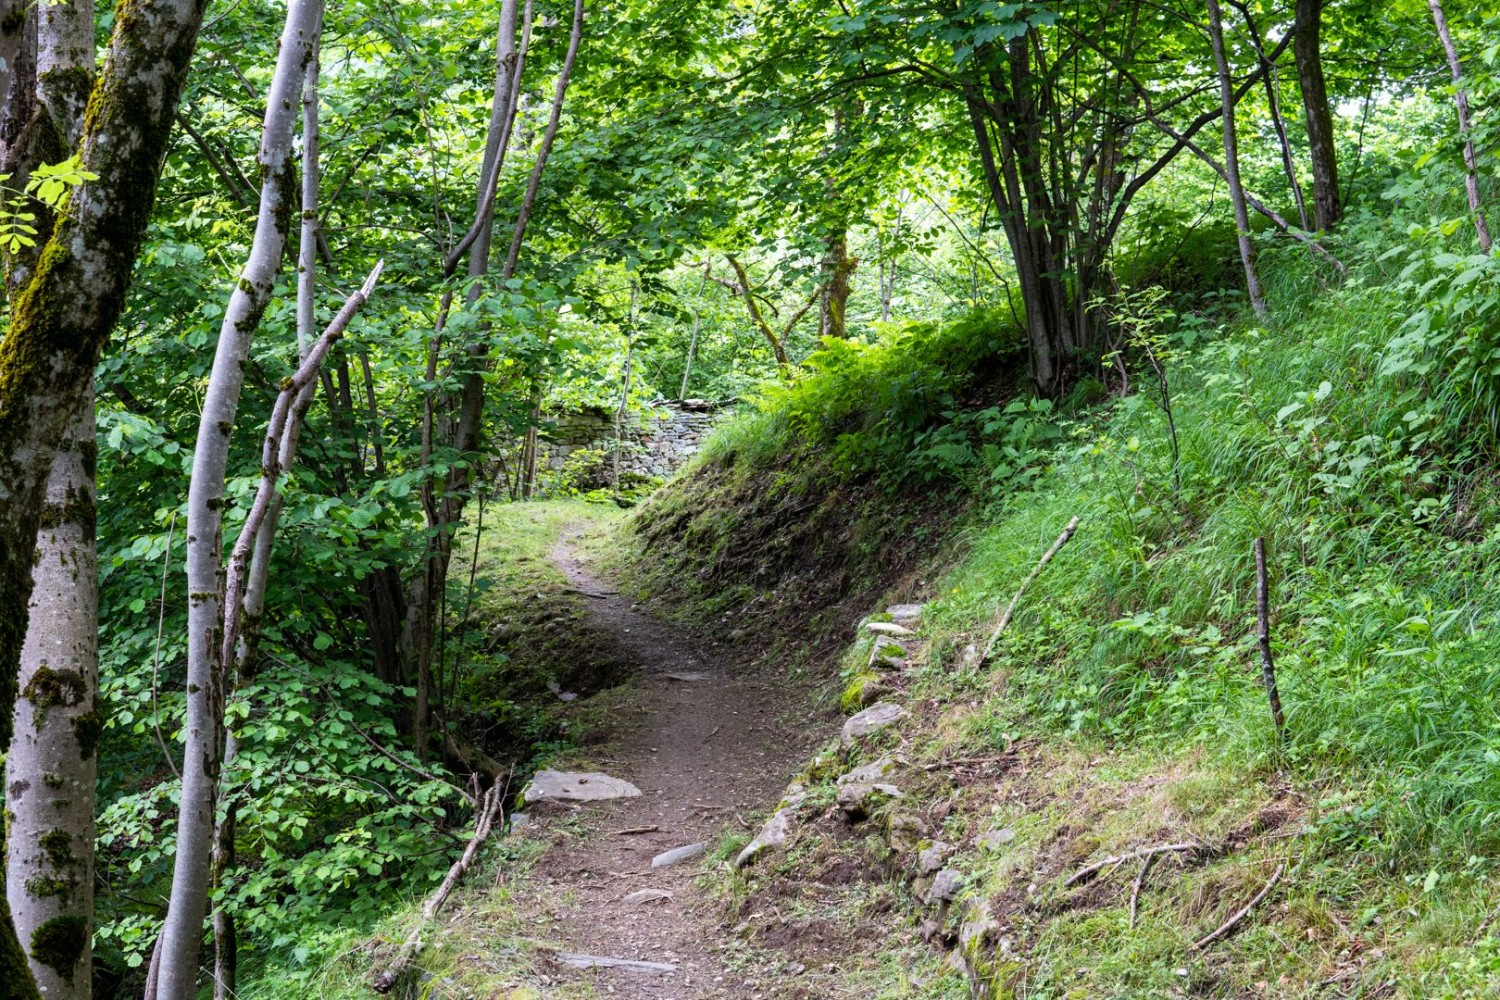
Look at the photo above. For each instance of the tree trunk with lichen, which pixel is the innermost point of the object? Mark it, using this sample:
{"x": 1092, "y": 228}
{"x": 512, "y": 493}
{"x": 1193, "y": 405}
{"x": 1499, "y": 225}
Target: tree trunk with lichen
{"x": 65, "y": 303}
{"x": 182, "y": 933}
{"x": 51, "y": 767}
{"x": 50, "y": 772}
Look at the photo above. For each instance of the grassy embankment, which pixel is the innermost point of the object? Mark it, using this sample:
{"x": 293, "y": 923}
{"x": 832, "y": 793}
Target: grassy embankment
{"x": 1124, "y": 707}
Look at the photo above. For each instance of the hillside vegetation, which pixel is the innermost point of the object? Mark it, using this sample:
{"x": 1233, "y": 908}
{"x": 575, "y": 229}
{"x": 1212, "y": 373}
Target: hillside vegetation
{"x": 1123, "y": 707}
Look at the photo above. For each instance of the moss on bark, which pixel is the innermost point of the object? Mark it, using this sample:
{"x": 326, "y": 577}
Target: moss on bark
{"x": 59, "y": 943}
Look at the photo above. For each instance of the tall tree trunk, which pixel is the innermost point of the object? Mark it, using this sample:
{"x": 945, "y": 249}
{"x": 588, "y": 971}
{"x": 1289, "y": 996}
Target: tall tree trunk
{"x": 226, "y": 932}
{"x": 64, "y": 310}
{"x": 1307, "y": 49}
{"x": 838, "y": 266}
{"x": 687, "y": 368}
{"x": 418, "y": 632}
{"x": 182, "y": 933}
{"x": 51, "y": 767}
{"x": 1465, "y": 124}
{"x": 49, "y": 775}
{"x": 1273, "y": 107}
{"x": 1232, "y": 159}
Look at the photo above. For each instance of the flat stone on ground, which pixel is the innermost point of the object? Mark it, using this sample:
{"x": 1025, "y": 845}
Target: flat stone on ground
{"x": 678, "y": 854}
{"x": 889, "y": 628}
{"x": 872, "y": 720}
{"x": 576, "y": 786}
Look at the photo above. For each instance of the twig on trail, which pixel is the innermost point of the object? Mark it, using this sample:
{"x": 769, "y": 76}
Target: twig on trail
{"x": 632, "y": 831}
{"x": 490, "y": 806}
{"x": 1267, "y": 665}
{"x": 1084, "y": 874}
{"x": 1036, "y": 571}
{"x": 600, "y": 962}
{"x": 712, "y": 734}
{"x": 1233, "y": 921}
{"x": 1140, "y": 880}
{"x": 965, "y": 762}
{"x": 588, "y": 593}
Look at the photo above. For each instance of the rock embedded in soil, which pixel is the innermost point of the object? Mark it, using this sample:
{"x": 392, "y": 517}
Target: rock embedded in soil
{"x": 773, "y": 835}
{"x": 946, "y": 886}
{"x": 871, "y": 690}
{"x": 887, "y": 654}
{"x": 994, "y": 840}
{"x": 904, "y": 832}
{"x": 872, "y": 720}
{"x": 904, "y": 614}
{"x": 889, "y": 628}
{"x": 934, "y": 857}
{"x": 574, "y": 786}
{"x": 678, "y": 855}
{"x": 860, "y": 790}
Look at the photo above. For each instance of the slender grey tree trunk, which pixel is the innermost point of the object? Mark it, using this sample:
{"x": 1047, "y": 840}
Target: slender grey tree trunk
{"x": 1232, "y": 159}
{"x": 257, "y": 576}
{"x": 182, "y": 934}
{"x": 1465, "y": 124}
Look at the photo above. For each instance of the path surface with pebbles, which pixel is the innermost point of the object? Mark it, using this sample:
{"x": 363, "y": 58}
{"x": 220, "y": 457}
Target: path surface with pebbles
{"x": 708, "y": 742}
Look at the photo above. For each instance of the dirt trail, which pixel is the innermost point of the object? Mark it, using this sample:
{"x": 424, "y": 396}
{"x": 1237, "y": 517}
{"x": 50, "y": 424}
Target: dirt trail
{"x": 706, "y": 753}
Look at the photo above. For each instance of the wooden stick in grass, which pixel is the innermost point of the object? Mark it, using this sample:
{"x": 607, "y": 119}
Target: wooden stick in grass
{"x": 1267, "y": 665}
{"x": 490, "y": 806}
{"x": 1241, "y": 914}
{"x": 1036, "y": 571}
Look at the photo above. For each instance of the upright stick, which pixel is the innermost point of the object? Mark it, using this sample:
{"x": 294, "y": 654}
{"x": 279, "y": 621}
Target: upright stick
{"x": 1267, "y": 665}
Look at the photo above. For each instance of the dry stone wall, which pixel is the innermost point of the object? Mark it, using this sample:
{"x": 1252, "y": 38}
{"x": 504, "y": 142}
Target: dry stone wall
{"x": 656, "y": 444}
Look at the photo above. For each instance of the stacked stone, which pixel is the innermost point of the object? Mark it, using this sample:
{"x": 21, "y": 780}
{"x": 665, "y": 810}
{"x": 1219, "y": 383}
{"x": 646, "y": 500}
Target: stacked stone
{"x": 657, "y": 446}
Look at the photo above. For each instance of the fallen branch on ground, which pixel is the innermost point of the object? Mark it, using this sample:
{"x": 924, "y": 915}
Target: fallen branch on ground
{"x": 1036, "y": 571}
{"x": 635, "y": 830}
{"x": 1233, "y": 921}
{"x": 600, "y": 962}
{"x": 491, "y": 805}
{"x": 1140, "y": 880}
{"x": 1084, "y": 874}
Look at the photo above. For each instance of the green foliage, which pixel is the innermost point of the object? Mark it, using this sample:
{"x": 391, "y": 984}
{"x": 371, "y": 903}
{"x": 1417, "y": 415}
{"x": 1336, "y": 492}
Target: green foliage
{"x": 900, "y": 408}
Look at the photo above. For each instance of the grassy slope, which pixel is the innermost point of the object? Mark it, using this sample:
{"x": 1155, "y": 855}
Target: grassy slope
{"x": 1124, "y": 709}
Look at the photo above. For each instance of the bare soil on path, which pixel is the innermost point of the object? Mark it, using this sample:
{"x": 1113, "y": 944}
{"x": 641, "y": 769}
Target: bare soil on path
{"x": 710, "y": 742}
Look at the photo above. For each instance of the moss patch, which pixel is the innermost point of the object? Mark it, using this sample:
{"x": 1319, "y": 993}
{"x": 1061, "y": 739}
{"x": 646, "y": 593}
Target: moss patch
{"x": 59, "y": 943}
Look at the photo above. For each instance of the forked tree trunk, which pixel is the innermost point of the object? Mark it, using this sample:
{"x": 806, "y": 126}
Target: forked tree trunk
{"x": 226, "y": 932}
{"x": 1232, "y": 160}
{"x": 1307, "y": 50}
{"x": 50, "y": 771}
{"x": 182, "y": 933}
{"x": 1465, "y": 125}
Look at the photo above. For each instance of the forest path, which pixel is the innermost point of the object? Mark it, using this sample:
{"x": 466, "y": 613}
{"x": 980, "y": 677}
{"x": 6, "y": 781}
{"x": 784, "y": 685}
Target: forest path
{"x": 708, "y": 743}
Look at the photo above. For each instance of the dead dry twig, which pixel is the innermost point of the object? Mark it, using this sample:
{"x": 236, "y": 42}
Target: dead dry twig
{"x": 1243, "y": 912}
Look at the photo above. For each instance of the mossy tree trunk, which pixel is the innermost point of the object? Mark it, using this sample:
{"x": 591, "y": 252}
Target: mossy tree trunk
{"x": 64, "y": 306}
{"x": 51, "y": 768}
{"x": 182, "y": 933}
